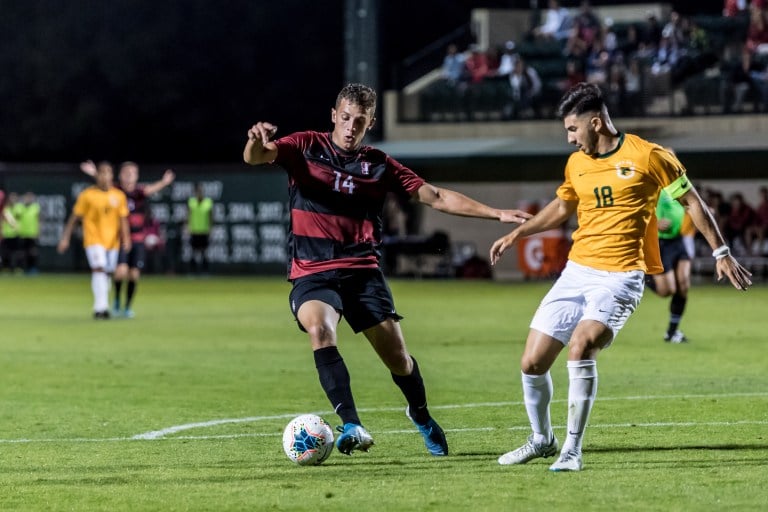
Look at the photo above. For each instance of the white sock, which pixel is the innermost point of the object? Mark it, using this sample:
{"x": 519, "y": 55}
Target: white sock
{"x": 581, "y": 395}
{"x": 537, "y": 394}
{"x": 100, "y": 289}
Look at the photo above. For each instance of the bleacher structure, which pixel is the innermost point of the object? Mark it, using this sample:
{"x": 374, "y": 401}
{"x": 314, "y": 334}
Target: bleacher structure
{"x": 703, "y": 87}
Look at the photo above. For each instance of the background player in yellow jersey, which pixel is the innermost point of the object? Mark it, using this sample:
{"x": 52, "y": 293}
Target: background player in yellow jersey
{"x": 612, "y": 183}
{"x": 103, "y": 210}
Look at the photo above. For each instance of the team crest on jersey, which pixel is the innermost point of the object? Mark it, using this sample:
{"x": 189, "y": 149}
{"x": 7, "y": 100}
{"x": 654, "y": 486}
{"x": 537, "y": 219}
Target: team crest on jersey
{"x": 625, "y": 169}
{"x": 366, "y": 168}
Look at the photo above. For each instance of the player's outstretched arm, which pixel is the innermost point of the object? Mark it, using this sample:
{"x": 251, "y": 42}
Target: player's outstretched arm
{"x": 455, "y": 203}
{"x": 167, "y": 179}
{"x": 551, "y": 216}
{"x": 726, "y": 265}
{"x": 259, "y": 149}
{"x": 89, "y": 168}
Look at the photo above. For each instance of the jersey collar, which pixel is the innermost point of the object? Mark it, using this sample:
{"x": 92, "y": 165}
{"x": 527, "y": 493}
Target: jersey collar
{"x": 614, "y": 150}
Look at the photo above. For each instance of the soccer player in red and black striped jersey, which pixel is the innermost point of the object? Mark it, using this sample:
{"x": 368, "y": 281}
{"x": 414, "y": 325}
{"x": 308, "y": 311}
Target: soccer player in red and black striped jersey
{"x": 337, "y": 189}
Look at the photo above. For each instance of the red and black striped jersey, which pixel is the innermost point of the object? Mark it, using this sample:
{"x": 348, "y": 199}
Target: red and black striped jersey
{"x": 137, "y": 208}
{"x": 336, "y": 201}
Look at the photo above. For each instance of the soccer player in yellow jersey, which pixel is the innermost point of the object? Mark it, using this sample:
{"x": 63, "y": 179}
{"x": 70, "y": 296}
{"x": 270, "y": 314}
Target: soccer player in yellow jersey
{"x": 612, "y": 183}
{"x": 103, "y": 210}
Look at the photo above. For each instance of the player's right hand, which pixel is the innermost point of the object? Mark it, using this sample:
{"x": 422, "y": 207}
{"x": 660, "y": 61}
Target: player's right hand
{"x": 63, "y": 246}
{"x": 262, "y": 131}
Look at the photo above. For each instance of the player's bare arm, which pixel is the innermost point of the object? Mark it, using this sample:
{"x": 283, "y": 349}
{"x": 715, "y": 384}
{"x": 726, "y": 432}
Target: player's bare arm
{"x": 167, "y": 179}
{"x": 89, "y": 168}
{"x": 455, "y": 203}
{"x": 551, "y": 216}
{"x": 66, "y": 234}
{"x": 259, "y": 149}
{"x": 125, "y": 234}
{"x": 726, "y": 265}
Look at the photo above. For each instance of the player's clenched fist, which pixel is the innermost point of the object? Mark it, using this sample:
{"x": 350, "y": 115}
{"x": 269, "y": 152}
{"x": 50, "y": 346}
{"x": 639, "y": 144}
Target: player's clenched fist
{"x": 262, "y": 131}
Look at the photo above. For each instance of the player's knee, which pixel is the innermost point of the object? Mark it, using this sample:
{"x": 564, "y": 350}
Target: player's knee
{"x": 321, "y": 333}
{"x": 532, "y": 366}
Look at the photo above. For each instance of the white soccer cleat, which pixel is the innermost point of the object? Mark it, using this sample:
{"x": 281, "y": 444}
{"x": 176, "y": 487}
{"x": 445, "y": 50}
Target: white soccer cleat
{"x": 529, "y": 451}
{"x": 568, "y": 461}
{"x": 677, "y": 337}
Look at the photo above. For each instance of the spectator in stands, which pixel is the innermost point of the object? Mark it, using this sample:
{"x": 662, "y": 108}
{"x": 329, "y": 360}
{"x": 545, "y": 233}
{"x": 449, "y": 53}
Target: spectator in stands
{"x": 756, "y": 233}
{"x": 737, "y": 82}
{"x": 574, "y": 73}
{"x": 629, "y": 45}
{"x": 734, "y": 8}
{"x": 633, "y": 88}
{"x": 508, "y": 58}
{"x": 735, "y": 225}
{"x": 758, "y": 76}
{"x": 757, "y": 32}
{"x": 650, "y": 35}
{"x": 557, "y": 23}
{"x": 477, "y": 64}
{"x": 453, "y": 69}
{"x": 674, "y": 30}
{"x": 598, "y": 64}
{"x": 587, "y": 26}
{"x": 525, "y": 90}
{"x": 616, "y": 89}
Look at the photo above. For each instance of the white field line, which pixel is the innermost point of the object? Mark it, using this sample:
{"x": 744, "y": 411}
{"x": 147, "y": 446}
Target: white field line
{"x": 163, "y": 433}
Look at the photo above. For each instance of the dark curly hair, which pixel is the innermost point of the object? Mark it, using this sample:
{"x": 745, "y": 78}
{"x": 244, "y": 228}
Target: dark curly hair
{"x": 358, "y": 94}
{"x": 580, "y": 98}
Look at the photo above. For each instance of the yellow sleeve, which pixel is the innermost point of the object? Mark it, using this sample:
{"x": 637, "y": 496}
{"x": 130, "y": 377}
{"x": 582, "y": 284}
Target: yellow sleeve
{"x": 566, "y": 192}
{"x": 666, "y": 169}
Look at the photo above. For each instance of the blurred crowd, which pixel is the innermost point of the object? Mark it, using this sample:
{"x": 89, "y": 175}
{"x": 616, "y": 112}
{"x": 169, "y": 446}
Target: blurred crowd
{"x": 627, "y": 60}
{"x": 744, "y": 226}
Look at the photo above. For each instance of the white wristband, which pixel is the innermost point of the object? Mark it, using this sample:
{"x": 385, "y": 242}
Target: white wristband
{"x": 721, "y": 252}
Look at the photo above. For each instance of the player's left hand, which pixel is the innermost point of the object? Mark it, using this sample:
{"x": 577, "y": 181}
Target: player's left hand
{"x": 518, "y": 216}
{"x": 501, "y": 245}
{"x": 737, "y": 274}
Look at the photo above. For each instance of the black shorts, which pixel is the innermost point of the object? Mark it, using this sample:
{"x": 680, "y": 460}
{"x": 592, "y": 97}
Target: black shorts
{"x": 361, "y": 296}
{"x": 199, "y": 242}
{"x": 672, "y": 251}
{"x": 135, "y": 258}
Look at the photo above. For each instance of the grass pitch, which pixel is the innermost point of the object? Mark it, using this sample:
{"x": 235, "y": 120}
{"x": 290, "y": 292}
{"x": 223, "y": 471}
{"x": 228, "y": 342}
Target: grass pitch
{"x": 182, "y": 408}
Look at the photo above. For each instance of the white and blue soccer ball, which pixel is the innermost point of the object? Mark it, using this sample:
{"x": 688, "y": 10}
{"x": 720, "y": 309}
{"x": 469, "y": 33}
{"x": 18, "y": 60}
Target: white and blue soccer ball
{"x": 308, "y": 440}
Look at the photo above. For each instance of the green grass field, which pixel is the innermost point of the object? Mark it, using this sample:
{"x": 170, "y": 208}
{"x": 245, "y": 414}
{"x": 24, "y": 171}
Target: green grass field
{"x": 182, "y": 408}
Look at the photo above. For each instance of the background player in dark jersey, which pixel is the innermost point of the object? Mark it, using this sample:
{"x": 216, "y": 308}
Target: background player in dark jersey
{"x": 131, "y": 263}
{"x": 337, "y": 189}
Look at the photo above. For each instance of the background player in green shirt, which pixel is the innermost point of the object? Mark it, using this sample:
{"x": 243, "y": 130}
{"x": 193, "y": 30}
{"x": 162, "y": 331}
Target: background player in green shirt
{"x": 199, "y": 222}
{"x": 676, "y": 279}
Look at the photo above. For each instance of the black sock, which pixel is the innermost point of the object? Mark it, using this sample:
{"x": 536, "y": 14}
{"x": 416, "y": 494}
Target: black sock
{"x": 412, "y": 387}
{"x": 676, "y": 309}
{"x": 118, "y": 287}
{"x": 129, "y": 293}
{"x": 334, "y": 378}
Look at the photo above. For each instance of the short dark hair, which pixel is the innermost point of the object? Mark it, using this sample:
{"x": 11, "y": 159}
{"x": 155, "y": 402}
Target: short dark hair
{"x": 580, "y": 98}
{"x": 358, "y": 94}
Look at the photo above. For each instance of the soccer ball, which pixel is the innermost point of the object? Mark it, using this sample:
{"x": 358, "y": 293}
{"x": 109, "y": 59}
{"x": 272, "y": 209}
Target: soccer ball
{"x": 308, "y": 440}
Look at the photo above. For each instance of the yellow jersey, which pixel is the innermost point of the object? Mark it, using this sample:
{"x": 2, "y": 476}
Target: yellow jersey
{"x": 101, "y": 211}
{"x": 617, "y": 194}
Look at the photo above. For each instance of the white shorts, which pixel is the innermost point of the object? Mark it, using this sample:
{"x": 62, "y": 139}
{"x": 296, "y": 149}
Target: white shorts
{"x": 583, "y": 293}
{"x": 101, "y": 258}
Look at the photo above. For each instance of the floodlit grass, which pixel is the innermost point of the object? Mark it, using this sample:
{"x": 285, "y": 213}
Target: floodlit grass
{"x": 182, "y": 407}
